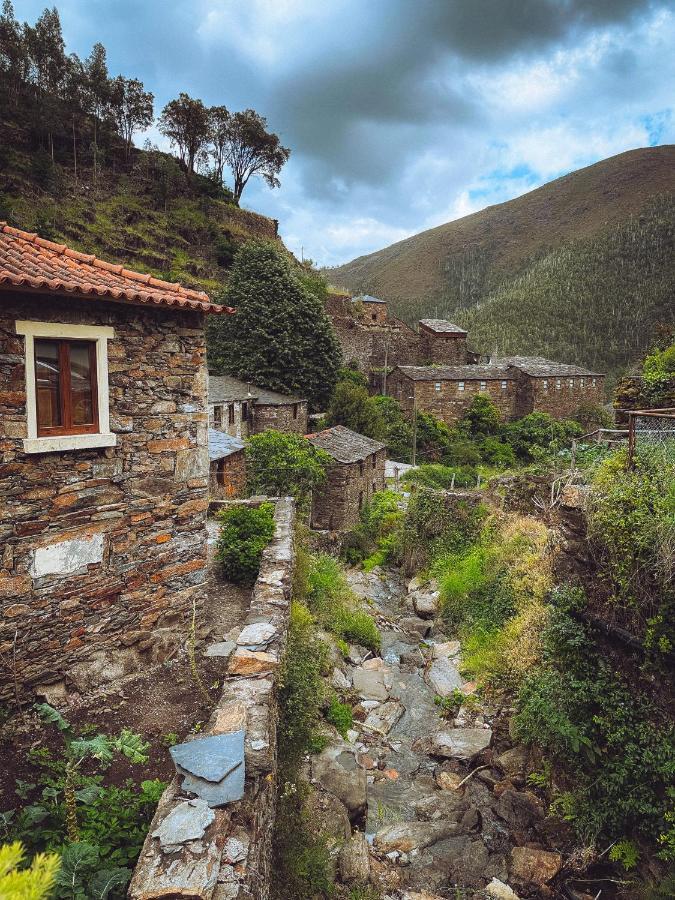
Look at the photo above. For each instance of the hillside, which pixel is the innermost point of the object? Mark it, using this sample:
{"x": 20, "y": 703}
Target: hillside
{"x": 143, "y": 212}
{"x": 540, "y": 273}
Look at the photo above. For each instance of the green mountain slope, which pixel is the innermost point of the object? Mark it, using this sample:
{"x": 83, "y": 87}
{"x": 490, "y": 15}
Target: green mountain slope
{"x": 580, "y": 269}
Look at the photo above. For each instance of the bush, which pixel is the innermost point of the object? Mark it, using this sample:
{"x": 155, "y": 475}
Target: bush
{"x": 340, "y": 715}
{"x": 284, "y": 464}
{"x": 336, "y": 608}
{"x": 592, "y": 415}
{"x": 482, "y": 417}
{"x": 539, "y": 433}
{"x": 434, "y": 525}
{"x": 245, "y": 531}
{"x": 397, "y": 429}
{"x": 352, "y": 406}
{"x": 438, "y": 476}
{"x": 497, "y": 453}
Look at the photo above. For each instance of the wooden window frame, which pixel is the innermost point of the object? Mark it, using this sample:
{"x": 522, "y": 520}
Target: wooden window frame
{"x": 218, "y": 415}
{"x": 230, "y": 414}
{"x": 65, "y": 391}
{"x": 81, "y": 437}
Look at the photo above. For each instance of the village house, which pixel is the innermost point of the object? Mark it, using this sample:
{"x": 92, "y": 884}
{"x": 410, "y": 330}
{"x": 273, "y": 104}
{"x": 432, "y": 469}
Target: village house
{"x": 442, "y": 343}
{"x": 104, "y": 466}
{"x": 517, "y": 385}
{"x": 242, "y": 409}
{"x": 354, "y": 475}
{"x": 227, "y": 466}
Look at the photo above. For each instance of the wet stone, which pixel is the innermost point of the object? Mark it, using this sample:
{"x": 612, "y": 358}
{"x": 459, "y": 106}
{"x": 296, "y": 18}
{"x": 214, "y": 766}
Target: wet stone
{"x": 459, "y": 743}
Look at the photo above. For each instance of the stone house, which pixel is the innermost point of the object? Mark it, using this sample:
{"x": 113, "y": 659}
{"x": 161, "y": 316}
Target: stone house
{"x": 518, "y": 385}
{"x": 241, "y": 409}
{"x": 447, "y": 391}
{"x": 104, "y": 461}
{"x": 370, "y": 310}
{"x": 354, "y": 475}
{"x": 227, "y": 466}
{"x": 442, "y": 343}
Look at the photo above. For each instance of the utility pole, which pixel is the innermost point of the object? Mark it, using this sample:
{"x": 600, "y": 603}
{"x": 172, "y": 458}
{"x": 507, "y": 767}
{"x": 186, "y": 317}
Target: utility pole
{"x": 414, "y": 446}
{"x": 387, "y": 342}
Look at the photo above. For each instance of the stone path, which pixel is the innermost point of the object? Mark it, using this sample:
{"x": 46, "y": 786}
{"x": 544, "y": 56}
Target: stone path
{"x": 402, "y": 772}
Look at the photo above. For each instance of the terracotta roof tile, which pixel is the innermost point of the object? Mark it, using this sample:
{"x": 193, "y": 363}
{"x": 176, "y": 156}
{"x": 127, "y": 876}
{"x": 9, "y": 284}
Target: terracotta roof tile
{"x": 32, "y": 263}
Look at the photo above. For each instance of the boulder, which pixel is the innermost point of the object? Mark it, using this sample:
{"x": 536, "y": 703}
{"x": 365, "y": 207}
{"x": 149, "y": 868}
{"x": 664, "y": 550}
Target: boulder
{"x": 519, "y": 809}
{"x": 354, "y": 859}
{"x": 339, "y": 680}
{"x": 327, "y": 816}
{"x": 534, "y": 867}
{"x": 448, "y": 781}
{"x": 513, "y": 761}
{"x": 447, "y": 805}
{"x": 446, "y": 649}
{"x": 458, "y": 743}
{"x": 338, "y": 771}
{"x": 372, "y": 684}
{"x": 385, "y": 716}
{"x": 426, "y": 603}
{"x": 407, "y": 836}
{"x": 415, "y": 625}
{"x": 443, "y": 677}
{"x": 500, "y": 891}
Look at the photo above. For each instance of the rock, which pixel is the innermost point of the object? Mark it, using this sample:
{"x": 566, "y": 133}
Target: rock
{"x": 536, "y": 867}
{"x": 415, "y": 625}
{"x": 338, "y": 771}
{"x": 416, "y": 583}
{"x": 339, "y": 680}
{"x": 514, "y": 761}
{"x": 223, "y": 648}
{"x": 251, "y": 662}
{"x": 440, "y": 805}
{"x": 519, "y": 809}
{"x": 352, "y": 735}
{"x": 459, "y": 743}
{"x": 385, "y": 716}
{"x": 354, "y": 859}
{"x": 419, "y": 895}
{"x": 500, "y": 891}
{"x": 426, "y": 603}
{"x": 374, "y": 664}
{"x": 186, "y": 822}
{"x": 212, "y": 767}
{"x": 446, "y": 649}
{"x": 466, "y": 861}
{"x": 372, "y": 684}
{"x": 442, "y": 677}
{"x": 356, "y": 654}
{"x": 328, "y": 818}
{"x": 448, "y": 781}
{"x": 256, "y": 636}
{"x": 407, "y": 836}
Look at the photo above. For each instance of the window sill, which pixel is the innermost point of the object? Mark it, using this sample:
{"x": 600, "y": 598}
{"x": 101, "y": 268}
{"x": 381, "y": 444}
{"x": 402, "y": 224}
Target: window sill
{"x": 68, "y": 442}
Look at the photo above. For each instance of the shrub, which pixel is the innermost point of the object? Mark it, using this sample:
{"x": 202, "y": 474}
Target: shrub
{"x": 497, "y": 453}
{"x": 433, "y": 525}
{"x": 35, "y": 882}
{"x": 336, "y": 608}
{"x": 284, "y": 464}
{"x": 352, "y": 406}
{"x": 538, "y": 433}
{"x": 482, "y": 417}
{"x": 245, "y": 531}
{"x": 592, "y": 415}
{"x": 436, "y": 475}
{"x": 340, "y": 715}
{"x": 397, "y": 429}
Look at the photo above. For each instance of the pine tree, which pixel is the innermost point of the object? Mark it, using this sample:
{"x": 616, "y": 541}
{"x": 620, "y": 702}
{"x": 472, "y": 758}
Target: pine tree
{"x": 280, "y": 336}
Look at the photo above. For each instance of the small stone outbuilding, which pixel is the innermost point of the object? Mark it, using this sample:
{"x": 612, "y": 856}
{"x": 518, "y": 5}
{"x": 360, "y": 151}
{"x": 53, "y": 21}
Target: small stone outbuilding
{"x": 355, "y": 474}
{"x": 241, "y": 409}
{"x": 104, "y": 465}
{"x": 227, "y": 466}
{"x": 442, "y": 343}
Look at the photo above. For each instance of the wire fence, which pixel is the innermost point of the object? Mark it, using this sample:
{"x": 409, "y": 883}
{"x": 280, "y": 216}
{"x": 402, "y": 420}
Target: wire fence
{"x": 651, "y": 432}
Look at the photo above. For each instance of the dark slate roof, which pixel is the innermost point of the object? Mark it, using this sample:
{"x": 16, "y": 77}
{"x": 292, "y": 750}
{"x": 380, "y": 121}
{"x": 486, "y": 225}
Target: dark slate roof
{"x": 225, "y": 389}
{"x": 456, "y": 373}
{"x": 539, "y": 366}
{"x": 222, "y": 445}
{"x": 367, "y": 298}
{"x": 442, "y": 326}
{"x": 345, "y": 445}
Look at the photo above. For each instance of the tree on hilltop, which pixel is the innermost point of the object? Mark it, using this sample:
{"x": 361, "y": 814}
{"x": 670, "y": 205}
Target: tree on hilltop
{"x": 186, "y": 124}
{"x": 252, "y": 150}
{"x": 131, "y": 107}
{"x": 280, "y": 336}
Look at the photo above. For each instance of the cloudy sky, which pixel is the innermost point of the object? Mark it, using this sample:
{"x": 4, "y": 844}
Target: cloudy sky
{"x": 401, "y": 114}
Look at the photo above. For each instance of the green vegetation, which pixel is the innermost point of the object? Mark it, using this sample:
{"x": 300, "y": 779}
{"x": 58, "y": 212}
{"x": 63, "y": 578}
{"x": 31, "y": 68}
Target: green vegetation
{"x": 284, "y": 465}
{"x": 398, "y": 433}
{"x": 33, "y": 883}
{"x": 245, "y": 531}
{"x": 433, "y": 527}
{"x": 376, "y": 535}
{"x": 340, "y": 715}
{"x": 96, "y": 831}
{"x": 280, "y": 336}
{"x": 352, "y": 406}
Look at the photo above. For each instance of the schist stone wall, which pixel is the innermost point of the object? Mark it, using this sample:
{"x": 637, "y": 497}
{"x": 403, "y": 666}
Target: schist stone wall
{"x": 449, "y": 402}
{"x": 446, "y": 348}
{"x": 291, "y": 418}
{"x": 227, "y": 477}
{"x": 337, "y": 503}
{"x": 103, "y": 551}
{"x": 558, "y": 396}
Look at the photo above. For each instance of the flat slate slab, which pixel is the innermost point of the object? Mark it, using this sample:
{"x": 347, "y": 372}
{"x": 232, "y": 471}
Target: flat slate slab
{"x": 186, "y": 822}
{"x": 460, "y": 743}
{"x": 212, "y": 767}
{"x": 443, "y": 677}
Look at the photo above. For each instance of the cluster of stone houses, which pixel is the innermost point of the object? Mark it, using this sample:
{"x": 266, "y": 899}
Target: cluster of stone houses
{"x": 433, "y": 370}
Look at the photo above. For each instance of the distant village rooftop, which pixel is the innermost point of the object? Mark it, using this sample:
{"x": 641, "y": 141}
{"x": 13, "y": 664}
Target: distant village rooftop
{"x": 225, "y": 389}
{"x": 455, "y": 373}
{"x": 222, "y": 445}
{"x": 31, "y": 263}
{"x": 345, "y": 445}
{"x": 442, "y": 326}
{"x": 367, "y": 298}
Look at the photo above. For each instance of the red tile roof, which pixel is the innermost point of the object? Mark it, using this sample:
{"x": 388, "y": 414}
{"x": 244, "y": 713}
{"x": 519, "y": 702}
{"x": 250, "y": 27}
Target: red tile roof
{"x": 29, "y": 262}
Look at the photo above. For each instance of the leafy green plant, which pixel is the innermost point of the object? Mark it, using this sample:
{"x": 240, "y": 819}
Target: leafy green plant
{"x": 330, "y": 599}
{"x": 284, "y": 464}
{"x": 340, "y": 715}
{"x": 245, "y": 531}
{"x": 626, "y": 853}
{"x": 32, "y": 883}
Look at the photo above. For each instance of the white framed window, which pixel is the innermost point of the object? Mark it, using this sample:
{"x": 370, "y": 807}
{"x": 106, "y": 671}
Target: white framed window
{"x": 594, "y": 382}
{"x": 558, "y": 384}
{"x": 504, "y": 385}
{"x": 67, "y": 400}
{"x": 582, "y": 383}
{"x": 483, "y": 386}
{"x": 544, "y": 384}
{"x": 571, "y": 382}
{"x": 437, "y": 386}
{"x": 460, "y": 385}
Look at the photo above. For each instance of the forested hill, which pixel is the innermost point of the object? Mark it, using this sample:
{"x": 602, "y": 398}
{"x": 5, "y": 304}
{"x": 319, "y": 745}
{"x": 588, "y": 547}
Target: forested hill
{"x": 581, "y": 268}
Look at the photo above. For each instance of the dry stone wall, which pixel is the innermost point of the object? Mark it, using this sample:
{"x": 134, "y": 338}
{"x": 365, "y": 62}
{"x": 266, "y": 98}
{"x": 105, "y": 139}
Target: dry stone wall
{"x": 336, "y": 503}
{"x": 291, "y": 418}
{"x": 103, "y": 551}
{"x": 193, "y": 850}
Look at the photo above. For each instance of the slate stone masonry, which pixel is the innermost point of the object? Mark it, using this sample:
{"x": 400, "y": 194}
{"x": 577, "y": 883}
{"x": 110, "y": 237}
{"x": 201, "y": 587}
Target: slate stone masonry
{"x": 103, "y": 550}
{"x": 225, "y": 853}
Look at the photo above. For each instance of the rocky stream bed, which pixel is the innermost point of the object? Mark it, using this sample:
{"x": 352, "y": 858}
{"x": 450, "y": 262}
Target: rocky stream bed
{"x": 430, "y": 805}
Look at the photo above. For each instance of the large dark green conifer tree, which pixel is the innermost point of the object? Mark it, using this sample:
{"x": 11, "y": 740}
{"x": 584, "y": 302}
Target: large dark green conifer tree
{"x": 280, "y": 336}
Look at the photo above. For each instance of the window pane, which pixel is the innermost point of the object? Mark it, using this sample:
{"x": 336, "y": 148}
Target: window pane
{"x": 47, "y": 384}
{"x": 80, "y": 384}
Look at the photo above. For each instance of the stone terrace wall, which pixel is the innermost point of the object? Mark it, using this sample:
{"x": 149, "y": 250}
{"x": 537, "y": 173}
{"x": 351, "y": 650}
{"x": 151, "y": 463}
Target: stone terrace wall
{"x": 228, "y": 856}
{"x": 134, "y": 515}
